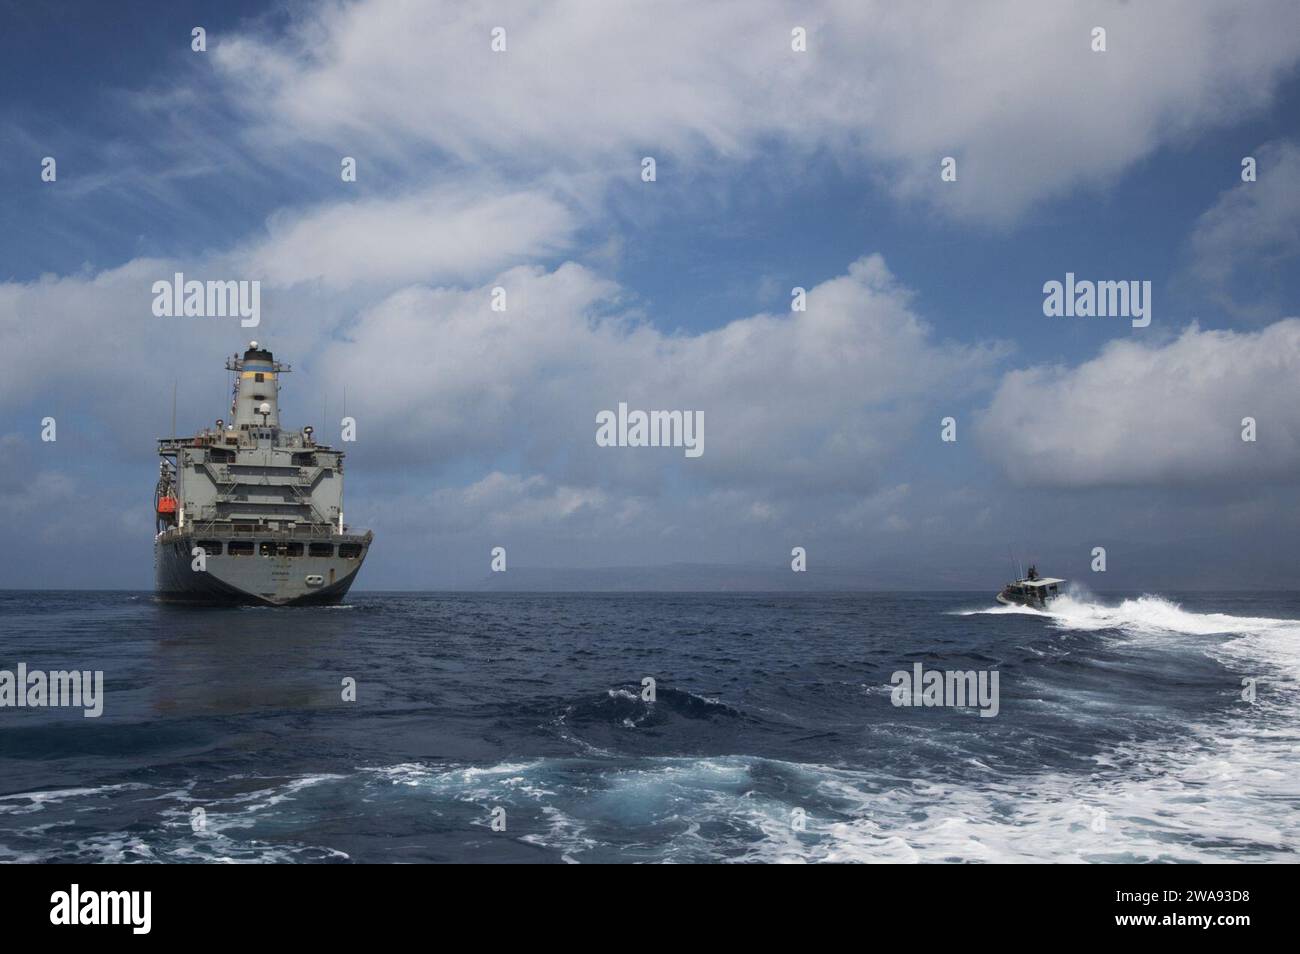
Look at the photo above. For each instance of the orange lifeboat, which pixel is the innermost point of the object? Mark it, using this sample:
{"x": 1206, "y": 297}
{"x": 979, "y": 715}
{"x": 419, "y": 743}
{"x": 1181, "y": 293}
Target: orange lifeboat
{"x": 167, "y": 505}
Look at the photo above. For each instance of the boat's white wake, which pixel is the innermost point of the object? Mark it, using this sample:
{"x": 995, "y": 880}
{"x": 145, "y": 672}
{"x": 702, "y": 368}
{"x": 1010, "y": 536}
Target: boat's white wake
{"x": 1258, "y": 638}
{"x": 1149, "y": 614}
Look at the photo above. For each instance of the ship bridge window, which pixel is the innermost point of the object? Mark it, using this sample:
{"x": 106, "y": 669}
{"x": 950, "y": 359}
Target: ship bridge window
{"x": 259, "y": 376}
{"x": 349, "y": 551}
{"x": 279, "y": 548}
{"x": 240, "y": 548}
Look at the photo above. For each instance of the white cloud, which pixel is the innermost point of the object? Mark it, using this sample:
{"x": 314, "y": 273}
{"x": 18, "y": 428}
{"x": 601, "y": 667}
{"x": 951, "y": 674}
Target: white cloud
{"x": 446, "y": 233}
{"x": 1154, "y": 413}
{"x": 793, "y": 403}
{"x": 1011, "y": 89}
{"x": 1253, "y": 227}
{"x": 89, "y": 346}
{"x": 818, "y": 400}
{"x": 510, "y": 502}
{"x": 878, "y": 511}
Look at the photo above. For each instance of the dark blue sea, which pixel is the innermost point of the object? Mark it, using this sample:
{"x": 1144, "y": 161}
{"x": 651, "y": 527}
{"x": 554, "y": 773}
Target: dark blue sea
{"x": 1121, "y": 734}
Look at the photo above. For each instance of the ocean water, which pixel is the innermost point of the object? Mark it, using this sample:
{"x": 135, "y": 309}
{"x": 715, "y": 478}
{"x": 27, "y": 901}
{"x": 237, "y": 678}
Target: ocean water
{"x": 1121, "y": 736}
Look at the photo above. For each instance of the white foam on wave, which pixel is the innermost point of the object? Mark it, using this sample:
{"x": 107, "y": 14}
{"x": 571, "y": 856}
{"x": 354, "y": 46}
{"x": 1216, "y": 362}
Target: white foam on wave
{"x": 466, "y": 783}
{"x": 1207, "y": 802}
{"x": 22, "y": 803}
{"x": 228, "y": 832}
{"x": 1156, "y": 615}
{"x": 1257, "y": 640}
{"x": 230, "y": 823}
{"x": 1000, "y": 609}
{"x": 1223, "y": 790}
{"x": 1204, "y": 804}
{"x": 1149, "y": 615}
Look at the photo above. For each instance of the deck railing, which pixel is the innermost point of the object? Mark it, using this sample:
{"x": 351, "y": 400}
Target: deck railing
{"x": 226, "y": 531}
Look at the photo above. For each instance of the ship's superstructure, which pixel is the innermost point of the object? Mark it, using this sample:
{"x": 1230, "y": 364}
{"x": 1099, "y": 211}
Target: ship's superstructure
{"x": 250, "y": 513}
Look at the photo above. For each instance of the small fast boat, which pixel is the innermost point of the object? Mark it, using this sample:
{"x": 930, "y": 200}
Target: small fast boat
{"x": 1033, "y": 591}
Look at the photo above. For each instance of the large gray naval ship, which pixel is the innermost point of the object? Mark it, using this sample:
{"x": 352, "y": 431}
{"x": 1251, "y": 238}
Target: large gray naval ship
{"x": 250, "y": 513}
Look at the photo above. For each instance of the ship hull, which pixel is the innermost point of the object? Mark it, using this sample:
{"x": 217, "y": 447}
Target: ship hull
{"x": 1030, "y": 604}
{"x": 252, "y": 579}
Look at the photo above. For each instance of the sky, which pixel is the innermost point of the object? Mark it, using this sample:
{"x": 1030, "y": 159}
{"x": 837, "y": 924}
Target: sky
{"x": 820, "y": 168}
